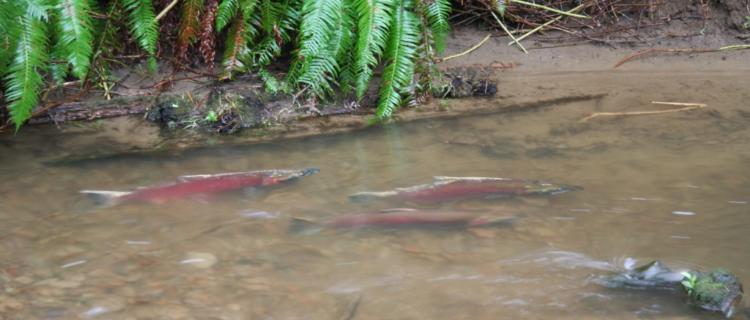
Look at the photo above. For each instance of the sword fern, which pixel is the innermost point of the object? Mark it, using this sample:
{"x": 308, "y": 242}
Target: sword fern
{"x": 333, "y": 44}
{"x": 400, "y": 57}
{"x": 24, "y": 74}
{"x": 75, "y": 35}
{"x": 143, "y": 25}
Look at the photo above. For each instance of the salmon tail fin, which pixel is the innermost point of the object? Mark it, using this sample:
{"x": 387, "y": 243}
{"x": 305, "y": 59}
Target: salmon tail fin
{"x": 105, "y": 198}
{"x": 310, "y": 171}
{"x": 303, "y": 226}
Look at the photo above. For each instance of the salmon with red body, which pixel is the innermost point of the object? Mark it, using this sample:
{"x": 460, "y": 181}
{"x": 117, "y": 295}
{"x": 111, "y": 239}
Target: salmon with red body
{"x": 186, "y": 186}
{"x": 452, "y": 188}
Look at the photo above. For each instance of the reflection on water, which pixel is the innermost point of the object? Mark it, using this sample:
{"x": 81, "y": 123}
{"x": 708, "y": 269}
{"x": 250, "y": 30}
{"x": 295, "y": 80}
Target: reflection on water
{"x": 672, "y": 187}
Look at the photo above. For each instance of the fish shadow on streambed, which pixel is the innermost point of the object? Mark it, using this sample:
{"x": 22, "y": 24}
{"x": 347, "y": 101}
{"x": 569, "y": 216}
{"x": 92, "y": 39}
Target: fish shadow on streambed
{"x": 398, "y": 219}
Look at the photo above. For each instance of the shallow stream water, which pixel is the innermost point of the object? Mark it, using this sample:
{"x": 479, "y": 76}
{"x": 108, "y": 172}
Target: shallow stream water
{"x": 673, "y": 187}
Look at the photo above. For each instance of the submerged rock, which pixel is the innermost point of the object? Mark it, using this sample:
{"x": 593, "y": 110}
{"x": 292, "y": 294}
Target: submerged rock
{"x": 651, "y": 275}
{"x": 718, "y": 290}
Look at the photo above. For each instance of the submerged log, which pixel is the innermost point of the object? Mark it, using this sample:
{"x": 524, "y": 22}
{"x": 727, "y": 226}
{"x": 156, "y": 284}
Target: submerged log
{"x": 91, "y": 110}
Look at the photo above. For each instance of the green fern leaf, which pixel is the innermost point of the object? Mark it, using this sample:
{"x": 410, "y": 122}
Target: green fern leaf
{"x": 437, "y": 13}
{"x": 75, "y": 38}
{"x": 24, "y": 79}
{"x": 225, "y": 13}
{"x": 143, "y": 24}
{"x": 9, "y": 30}
{"x": 374, "y": 18}
{"x": 400, "y": 55}
{"x": 315, "y": 65}
{"x": 341, "y": 49}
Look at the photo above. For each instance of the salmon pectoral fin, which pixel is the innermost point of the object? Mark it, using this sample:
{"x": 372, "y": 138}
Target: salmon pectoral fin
{"x": 105, "y": 198}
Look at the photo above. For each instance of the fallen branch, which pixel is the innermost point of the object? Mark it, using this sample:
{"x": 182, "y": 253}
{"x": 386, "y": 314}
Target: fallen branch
{"x": 697, "y": 50}
{"x": 687, "y": 106}
{"x": 467, "y": 51}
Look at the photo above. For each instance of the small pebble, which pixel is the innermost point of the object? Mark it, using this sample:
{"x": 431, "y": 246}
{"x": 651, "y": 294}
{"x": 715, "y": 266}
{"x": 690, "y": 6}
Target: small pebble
{"x": 202, "y": 260}
{"x": 73, "y": 264}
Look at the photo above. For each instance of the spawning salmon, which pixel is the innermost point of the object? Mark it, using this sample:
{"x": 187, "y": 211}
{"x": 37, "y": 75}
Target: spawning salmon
{"x": 199, "y": 184}
{"x": 452, "y": 188}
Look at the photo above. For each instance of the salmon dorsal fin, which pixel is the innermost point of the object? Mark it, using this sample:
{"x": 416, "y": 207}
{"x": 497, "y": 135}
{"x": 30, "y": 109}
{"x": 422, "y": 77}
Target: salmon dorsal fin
{"x": 392, "y": 210}
{"x": 194, "y": 177}
{"x": 449, "y": 179}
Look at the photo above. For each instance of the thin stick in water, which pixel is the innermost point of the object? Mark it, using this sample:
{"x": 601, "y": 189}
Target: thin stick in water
{"x": 688, "y": 106}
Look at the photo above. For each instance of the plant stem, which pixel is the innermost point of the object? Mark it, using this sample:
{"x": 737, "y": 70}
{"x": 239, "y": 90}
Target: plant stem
{"x": 542, "y": 26}
{"x": 568, "y": 13}
{"x": 509, "y": 34}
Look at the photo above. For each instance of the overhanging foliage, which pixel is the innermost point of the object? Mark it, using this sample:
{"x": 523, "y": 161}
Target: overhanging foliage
{"x": 334, "y": 44}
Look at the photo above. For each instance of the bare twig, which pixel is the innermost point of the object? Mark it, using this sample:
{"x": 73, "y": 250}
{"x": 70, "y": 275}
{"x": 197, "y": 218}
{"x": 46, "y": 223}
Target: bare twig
{"x": 508, "y": 32}
{"x": 687, "y": 106}
{"x": 542, "y": 26}
{"x": 539, "y": 6}
{"x": 469, "y": 50}
{"x": 166, "y": 9}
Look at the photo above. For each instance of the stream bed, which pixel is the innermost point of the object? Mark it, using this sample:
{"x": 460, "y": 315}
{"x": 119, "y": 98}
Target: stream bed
{"x": 673, "y": 187}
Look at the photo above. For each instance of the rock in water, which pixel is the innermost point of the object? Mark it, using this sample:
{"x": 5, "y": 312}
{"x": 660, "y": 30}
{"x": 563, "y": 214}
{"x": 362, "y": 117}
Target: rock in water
{"x": 718, "y": 290}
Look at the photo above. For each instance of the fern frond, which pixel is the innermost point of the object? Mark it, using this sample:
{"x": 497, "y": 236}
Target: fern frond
{"x": 235, "y": 47}
{"x": 24, "y": 78}
{"x": 9, "y": 31}
{"x": 75, "y": 37}
{"x": 374, "y": 18}
{"x": 271, "y": 83}
{"x": 189, "y": 24}
{"x": 247, "y": 7}
{"x": 143, "y": 24}
{"x": 341, "y": 49}
{"x": 315, "y": 65}
{"x": 225, "y": 13}
{"x": 207, "y": 33}
{"x": 400, "y": 55}
{"x": 437, "y": 13}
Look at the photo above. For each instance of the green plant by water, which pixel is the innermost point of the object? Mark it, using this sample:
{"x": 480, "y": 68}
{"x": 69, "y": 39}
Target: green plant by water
{"x": 336, "y": 44}
{"x": 689, "y": 281}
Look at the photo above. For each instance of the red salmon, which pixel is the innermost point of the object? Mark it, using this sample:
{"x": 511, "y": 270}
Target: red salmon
{"x": 199, "y": 184}
{"x": 452, "y": 188}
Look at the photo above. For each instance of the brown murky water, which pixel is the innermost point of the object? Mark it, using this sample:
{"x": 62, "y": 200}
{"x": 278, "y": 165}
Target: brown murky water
{"x": 63, "y": 258}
